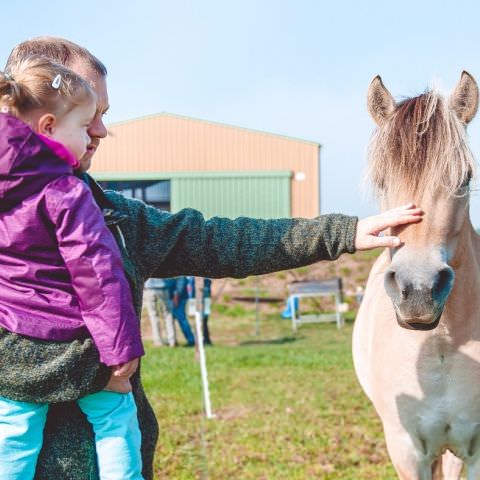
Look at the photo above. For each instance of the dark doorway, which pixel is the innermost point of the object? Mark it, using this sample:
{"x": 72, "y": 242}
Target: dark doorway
{"x": 153, "y": 192}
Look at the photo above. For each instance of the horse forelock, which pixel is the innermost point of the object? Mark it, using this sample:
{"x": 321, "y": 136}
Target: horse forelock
{"x": 421, "y": 148}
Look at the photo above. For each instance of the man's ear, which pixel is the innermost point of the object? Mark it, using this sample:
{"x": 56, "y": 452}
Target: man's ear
{"x": 46, "y": 124}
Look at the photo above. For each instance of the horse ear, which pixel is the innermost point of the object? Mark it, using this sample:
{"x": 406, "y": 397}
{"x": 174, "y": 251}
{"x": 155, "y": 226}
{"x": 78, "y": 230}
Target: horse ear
{"x": 464, "y": 99}
{"x": 380, "y": 101}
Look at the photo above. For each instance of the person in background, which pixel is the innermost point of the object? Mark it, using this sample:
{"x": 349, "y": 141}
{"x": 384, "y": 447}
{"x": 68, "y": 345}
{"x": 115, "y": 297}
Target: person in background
{"x": 179, "y": 295}
{"x": 205, "y": 305}
{"x": 156, "y": 300}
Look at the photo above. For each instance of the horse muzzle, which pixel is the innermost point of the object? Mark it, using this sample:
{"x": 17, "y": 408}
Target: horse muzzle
{"x": 419, "y": 300}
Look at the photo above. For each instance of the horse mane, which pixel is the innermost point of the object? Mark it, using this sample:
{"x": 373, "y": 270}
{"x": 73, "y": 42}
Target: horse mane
{"x": 421, "y": 148}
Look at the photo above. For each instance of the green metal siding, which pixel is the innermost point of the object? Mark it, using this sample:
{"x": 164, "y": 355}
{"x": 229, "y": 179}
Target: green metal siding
{"x": 234, "y": 194}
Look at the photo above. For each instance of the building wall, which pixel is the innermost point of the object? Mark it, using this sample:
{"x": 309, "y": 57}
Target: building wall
{"x": 173, "y": 143}
{"x": 234, "y": 195}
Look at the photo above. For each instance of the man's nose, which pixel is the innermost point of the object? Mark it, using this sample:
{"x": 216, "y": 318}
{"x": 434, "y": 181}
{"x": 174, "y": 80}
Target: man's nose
{"x": 97, "y": 128}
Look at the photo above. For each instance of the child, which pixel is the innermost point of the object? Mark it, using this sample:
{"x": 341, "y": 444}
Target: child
{"x": 61, "y": 274}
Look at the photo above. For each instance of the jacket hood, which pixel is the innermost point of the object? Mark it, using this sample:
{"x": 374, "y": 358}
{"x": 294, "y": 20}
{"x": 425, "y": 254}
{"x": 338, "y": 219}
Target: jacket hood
{"x": 27, "y": 163}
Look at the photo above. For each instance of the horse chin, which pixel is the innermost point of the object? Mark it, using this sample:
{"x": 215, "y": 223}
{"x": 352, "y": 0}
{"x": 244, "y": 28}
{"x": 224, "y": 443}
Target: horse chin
{"x": 412, "y": 325}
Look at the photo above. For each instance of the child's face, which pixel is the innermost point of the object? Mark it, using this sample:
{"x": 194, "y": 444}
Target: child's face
{"x": 71, "y": 129}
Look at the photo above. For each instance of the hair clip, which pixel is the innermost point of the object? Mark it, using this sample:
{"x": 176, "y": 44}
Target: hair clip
{"x": 8, "y": 77}
{"x": 56, "y": 82}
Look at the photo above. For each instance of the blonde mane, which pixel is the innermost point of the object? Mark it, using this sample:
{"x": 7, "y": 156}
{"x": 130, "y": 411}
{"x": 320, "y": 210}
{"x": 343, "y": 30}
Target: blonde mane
{"x": 421, "y": 148}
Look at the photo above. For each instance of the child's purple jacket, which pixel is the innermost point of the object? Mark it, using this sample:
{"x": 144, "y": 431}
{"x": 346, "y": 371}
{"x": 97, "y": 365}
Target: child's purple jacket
{"x": 61, "y": 275}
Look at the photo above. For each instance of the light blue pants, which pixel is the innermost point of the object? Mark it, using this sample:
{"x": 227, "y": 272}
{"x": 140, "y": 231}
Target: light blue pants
{"x": 112, "y": 415}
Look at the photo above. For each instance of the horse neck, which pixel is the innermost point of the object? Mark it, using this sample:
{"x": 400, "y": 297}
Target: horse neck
{"x": 461, "y": 317}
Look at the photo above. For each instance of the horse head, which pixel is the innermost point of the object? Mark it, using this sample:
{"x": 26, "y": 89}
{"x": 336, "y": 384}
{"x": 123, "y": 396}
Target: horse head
{"x": 419, "y": 151}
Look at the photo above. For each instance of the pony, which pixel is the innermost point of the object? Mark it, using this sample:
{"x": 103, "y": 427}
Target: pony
{"x": 416, "y": 339}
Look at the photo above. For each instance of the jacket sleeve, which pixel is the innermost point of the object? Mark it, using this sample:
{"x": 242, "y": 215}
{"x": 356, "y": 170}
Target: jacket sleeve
{"x": 94, "y": 263}
{"x": 184, "y": 243}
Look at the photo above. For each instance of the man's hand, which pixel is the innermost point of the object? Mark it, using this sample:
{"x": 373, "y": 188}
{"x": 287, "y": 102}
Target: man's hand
{"x": 119, "y": 385}
{"x": 369, "y": 229}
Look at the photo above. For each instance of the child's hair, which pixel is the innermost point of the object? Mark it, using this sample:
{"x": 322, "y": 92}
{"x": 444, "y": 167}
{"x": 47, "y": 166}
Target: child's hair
{"x": 39, "y": 84}
{"x": 57, "y": 49}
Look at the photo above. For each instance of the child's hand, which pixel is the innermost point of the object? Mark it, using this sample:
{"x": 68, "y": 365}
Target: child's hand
{"x": 125, "y": 369}
{"x": 368, "y": 229}
{"x": 119, "y": 385}
{"x": 119, "y": 381}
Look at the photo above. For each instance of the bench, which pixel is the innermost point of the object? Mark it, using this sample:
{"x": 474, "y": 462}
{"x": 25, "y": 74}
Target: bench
{"x": 324, "y": 288}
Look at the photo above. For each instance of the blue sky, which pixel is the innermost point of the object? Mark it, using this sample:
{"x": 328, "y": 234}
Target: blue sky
{"x": 299, "y": 68}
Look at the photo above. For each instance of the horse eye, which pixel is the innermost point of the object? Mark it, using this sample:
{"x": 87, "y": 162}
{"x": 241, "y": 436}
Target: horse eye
{"x": 467, "y": 180}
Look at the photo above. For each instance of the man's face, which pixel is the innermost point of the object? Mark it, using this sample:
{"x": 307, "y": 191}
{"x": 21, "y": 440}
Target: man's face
{"x": 97, "y": 129}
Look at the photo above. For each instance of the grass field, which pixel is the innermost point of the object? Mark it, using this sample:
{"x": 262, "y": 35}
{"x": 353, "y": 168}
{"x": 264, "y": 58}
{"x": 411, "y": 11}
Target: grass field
{"x": 288, "y": 406}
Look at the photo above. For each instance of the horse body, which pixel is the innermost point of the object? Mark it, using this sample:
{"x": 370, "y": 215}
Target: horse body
{"x": 424, "y": 385}
{"x": 416, "y": 341}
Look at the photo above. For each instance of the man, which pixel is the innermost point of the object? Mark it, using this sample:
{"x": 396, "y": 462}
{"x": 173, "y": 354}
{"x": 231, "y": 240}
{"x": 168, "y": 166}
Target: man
{"x": 206, "y": 293}
{"x": 156, "y": 299}
{"x": 178, "y": 298}
{"x": 154, "y": 244}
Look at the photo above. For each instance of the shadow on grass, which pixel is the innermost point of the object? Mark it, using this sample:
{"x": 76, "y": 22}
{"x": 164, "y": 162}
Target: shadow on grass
{"x": 273, "y": 341}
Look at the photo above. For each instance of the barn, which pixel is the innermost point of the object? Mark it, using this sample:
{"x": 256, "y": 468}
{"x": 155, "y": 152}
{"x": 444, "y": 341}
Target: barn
{"x": 173, "y": 162}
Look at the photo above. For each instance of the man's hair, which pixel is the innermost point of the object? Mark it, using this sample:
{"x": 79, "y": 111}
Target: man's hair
{"x": 38, "y": 83}
{"x": 57, "y": 49}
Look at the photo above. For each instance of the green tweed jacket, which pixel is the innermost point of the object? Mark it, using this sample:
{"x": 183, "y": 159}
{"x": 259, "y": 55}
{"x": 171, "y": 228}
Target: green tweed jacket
{"x": 153, "y": 244}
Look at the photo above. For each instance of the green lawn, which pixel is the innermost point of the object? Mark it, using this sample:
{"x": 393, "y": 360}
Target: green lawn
{"x": 288, "y": 406}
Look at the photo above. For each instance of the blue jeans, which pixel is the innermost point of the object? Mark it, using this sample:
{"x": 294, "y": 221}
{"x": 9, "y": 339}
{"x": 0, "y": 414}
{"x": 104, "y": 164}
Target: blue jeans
{"x": 179, "y": 314}
{"x": 112, "y": 415}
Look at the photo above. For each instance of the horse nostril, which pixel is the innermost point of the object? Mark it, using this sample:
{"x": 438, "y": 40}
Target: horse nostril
{"x": 394, "y": 286}
{"x": 397, "y": 287}
{"x": 390, "y": 280}
{"x": 443, "y": 284}
{"x": 391, "y": 275}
